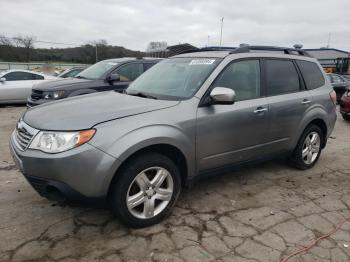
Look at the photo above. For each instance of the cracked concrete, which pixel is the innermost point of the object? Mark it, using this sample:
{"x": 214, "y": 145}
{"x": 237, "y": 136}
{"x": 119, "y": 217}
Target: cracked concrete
{"x": 257, "y": 213}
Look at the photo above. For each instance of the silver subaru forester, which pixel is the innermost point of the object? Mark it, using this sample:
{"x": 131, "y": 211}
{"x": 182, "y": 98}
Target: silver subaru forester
{"x": 189, "y": 115}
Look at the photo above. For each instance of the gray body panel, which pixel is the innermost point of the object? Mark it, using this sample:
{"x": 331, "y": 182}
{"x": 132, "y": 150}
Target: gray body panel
{"x": 208, "y": 137}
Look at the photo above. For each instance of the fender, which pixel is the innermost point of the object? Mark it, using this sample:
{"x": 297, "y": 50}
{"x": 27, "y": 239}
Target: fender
{"x": 313, "y": 113}
{"x": 82, "y": 92}
{"x": 138, "y": 139}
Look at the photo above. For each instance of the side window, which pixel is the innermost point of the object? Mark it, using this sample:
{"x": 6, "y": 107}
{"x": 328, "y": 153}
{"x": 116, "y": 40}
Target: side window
{"x": 37, "y": 77}
{"x": 130, "y": 72}
{"x": 337, "y": 79}
{"x": 281, "y": 77}
{"x": 17, "y": 76}
{"x": 311, "y": 74}
{"x": 148, "y": 65}
{"x": 243, "y": 77}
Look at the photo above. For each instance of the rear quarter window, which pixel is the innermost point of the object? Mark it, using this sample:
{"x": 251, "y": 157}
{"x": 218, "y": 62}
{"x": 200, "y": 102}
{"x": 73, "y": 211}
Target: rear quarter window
{"x": 312, "y": 74}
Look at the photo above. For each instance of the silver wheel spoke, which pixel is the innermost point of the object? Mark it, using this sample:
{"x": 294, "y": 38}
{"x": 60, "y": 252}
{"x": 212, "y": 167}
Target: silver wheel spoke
{"x": 314, "y": 138}
{"x": 148, "y": 209}
{"x": 305, "y": 152}
{"x": 159, "y": 178}
{"x": 153, "y": 195}
{"x": 309, "y": 157}
{"x": 142, "y": 181}
{"x": 163, "y": 194}
{"x": 136, "y": 200}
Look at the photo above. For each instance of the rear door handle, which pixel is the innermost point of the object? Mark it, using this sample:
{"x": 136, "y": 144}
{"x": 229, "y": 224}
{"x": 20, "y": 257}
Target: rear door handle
{"x": 305, "y": 102}
{"x": 260, "y": 110}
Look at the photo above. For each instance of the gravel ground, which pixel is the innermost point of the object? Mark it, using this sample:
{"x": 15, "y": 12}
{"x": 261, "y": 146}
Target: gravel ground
{"x": 260, "y": 213}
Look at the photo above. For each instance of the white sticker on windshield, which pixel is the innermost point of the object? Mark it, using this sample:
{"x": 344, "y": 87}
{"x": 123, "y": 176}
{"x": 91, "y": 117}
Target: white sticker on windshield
{"x": 202, "y": 62}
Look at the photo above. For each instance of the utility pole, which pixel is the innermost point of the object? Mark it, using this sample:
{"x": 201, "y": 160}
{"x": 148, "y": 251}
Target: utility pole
{"x": 222, "y": 24}
{"x": 329, "y": 40}
{"x": 208, "y": 40}
{"x": 96, "y": 52}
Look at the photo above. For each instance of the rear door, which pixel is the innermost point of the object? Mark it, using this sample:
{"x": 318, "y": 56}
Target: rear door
{"x": 288, "y": 102}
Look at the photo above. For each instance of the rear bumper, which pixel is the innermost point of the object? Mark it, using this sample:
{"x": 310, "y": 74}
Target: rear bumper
{"x": 82, "y": 173}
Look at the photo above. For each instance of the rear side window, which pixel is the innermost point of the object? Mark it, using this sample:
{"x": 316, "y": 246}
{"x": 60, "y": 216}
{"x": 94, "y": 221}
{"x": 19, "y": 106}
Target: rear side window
{"x": 37, "y": 77}
{"x": 281, "y": 77}
{"x": 311, "y": 74}
{"x": 148, "y": 65}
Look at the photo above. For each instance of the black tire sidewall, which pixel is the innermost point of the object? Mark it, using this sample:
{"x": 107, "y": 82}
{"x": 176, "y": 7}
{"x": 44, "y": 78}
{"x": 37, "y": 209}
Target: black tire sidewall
{"x": 297, "y": 159}
{"x": 127, "y": 175}
{"x": 346, "y": 117}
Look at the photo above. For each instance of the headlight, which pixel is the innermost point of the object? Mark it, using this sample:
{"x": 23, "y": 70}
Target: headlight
{"x": 55, "y": 142}
{"x": 54, "y": 94}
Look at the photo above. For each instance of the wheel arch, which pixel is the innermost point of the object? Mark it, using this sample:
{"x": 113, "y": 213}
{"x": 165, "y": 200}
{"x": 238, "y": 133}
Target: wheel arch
{"x": 169, "y": 150}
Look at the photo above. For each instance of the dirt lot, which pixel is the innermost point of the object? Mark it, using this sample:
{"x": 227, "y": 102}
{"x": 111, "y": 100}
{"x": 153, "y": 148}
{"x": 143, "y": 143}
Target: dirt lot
{"x": 259, "y": 213}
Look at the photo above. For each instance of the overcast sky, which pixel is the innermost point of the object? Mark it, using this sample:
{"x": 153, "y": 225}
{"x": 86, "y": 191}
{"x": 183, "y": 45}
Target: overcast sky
{"x": 134, "y": 24}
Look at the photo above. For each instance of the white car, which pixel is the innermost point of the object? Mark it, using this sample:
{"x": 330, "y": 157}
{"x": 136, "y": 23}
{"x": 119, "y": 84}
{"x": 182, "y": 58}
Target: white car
{"x": 16, "y": 85}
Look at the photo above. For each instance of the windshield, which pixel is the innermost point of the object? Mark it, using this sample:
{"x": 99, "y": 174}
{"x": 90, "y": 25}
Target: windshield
{"x": 175, "y": 78}
{"x": 97, "y": 70}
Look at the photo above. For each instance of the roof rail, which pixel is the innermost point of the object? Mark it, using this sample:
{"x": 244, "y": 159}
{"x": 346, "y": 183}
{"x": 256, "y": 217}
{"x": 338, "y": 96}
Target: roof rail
{"x": 209, "y": 48}
{"x": 286, "y": 50}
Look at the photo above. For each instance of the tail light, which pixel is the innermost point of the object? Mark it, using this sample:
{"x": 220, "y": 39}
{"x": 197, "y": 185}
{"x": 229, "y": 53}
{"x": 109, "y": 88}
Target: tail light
{"x": 333, "y": 97}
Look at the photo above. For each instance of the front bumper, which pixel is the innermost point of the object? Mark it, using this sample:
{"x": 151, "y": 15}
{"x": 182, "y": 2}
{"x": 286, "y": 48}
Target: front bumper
{"x": 32, "y": 103}
{"x": 84, "y": 172}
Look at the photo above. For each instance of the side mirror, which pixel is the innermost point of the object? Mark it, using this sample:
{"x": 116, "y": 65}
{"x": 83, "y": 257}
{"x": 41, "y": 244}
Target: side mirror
{"x": 2, "y": 80}
{"x": 113, "y": 78}
{"x": 222, "y": 96}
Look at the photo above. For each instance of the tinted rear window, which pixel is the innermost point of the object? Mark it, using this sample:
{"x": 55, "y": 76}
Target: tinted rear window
{"x": 281, "y": 77}
{"x": 311, "y": 74}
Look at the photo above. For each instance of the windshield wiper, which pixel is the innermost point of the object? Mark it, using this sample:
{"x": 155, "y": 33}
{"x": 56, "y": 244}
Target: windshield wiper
{"x": 141, "y": 94}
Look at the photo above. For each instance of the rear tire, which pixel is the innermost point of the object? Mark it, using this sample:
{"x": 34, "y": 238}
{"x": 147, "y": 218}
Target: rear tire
{"x": 346, "y": 117}
{"x": 308, "y": 149}
{"x": 145, "y": 190}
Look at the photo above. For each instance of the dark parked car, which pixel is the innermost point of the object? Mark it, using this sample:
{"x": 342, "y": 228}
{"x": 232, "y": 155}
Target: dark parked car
{"x": 106, "y": 75}
{"x": 345, "y": 105}
{"x": 340, "y": 84}
{"x": 72, "y": 72}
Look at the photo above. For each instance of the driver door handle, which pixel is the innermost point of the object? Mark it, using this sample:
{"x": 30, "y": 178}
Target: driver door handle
{"x": 305, "y": 102}
{"x": 260, "y": 110}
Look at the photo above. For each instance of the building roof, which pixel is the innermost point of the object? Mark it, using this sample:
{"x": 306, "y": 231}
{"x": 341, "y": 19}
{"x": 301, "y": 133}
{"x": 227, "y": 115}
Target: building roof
{"x": 326, "y": 49}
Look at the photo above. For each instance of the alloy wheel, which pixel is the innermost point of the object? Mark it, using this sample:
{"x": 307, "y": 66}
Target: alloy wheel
{"x": 311, "y": 148}
{"x": 150, "y": 192}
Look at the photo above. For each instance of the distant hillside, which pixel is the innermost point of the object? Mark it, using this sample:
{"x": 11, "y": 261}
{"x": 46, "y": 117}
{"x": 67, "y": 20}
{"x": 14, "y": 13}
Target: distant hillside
{"x": 84, "y": 54}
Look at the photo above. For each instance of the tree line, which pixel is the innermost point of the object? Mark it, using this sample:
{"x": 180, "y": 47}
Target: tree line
{"x": 22, "y": 49}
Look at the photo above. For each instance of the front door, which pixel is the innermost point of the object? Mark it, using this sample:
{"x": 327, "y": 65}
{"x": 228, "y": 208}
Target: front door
{"x": 228, "y": 134}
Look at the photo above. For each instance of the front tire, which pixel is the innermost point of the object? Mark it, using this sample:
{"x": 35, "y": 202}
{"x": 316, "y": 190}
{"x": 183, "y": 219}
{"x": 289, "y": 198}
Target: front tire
{"x": 145, "y": 190}
{"x": 308, "y": 149}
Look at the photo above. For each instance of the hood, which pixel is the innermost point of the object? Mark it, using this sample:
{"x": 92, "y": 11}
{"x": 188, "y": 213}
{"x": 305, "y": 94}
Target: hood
{"x": 84, "y": 112}
{"x": 63, "y": 83}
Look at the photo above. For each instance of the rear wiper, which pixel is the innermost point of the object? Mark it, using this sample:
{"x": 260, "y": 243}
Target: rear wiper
{"x": 140, "y": 94}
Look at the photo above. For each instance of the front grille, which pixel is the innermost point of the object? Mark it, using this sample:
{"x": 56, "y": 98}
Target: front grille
{"x": 36, "y": 94}
{"x": 24, "y": 135}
